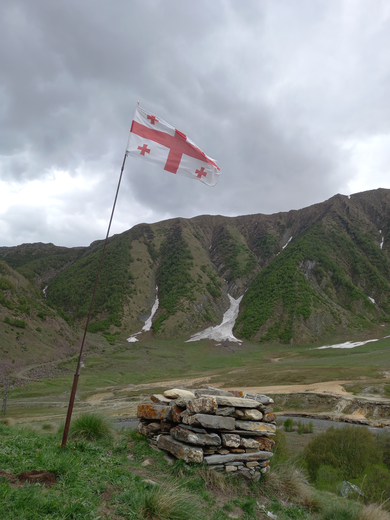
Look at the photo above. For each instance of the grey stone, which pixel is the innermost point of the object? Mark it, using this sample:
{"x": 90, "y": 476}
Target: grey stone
{"x": 232, "y": 441}
{"x": 206, "y": 405}
{"x": 252, "y": 414}
{"x": 261, "y": 398}
{"x": 200, "y": 392}
{"x": 181, "y": 402}
{"x": 217, "y": 466}
{"x": 255, "y": 426}
{"x": 160, "y": 399}
{"x": 175, "y": 393}
{"x": 230, "y": 469}
{"x": 180, "y": 450}
{"x": 224, "y": 459}
{"x": 246, "y": 473}
{"x": 249, "y": 443}
{"x": 199, "y": 439}
{"x": 210, "y": 421}
{"x": 225, "y": 411}
{"x": 249, "y": 433}
{"x": 237, "y": 402}
{"x": 193, "y": 428}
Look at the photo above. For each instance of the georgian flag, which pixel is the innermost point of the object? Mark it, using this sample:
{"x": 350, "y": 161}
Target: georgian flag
{"x": 155, "y": 141}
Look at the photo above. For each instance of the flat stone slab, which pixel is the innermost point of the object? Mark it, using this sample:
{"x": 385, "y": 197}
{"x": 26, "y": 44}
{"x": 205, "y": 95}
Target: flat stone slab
{"x": 253, "y": 426}
{"x": 175, "y": 393}
{"x": 180, "y": 450}
{"x": 214, "y": 422}
{"x": 237, "y": 402}
{"x": 200, "y": 392}
{"x": 244, "y": 433}
{"x": 225, "y": 411}
{"x": 246, "y": 457}
{"x": 160, "y": 399}
{"x": 199, "y": 439}
{"x": 261, "y": 398}
{"x": 193, "y": 428}
{"x": 154, "y": 411}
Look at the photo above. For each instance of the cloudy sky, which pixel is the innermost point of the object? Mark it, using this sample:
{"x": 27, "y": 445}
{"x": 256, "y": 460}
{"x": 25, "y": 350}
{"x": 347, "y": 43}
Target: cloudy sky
{"x": 290, "y": 97}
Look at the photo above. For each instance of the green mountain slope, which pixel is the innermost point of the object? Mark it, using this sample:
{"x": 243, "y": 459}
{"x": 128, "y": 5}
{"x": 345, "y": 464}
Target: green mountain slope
{"x": 305, "y": 274}
{"x": 31, "y": 332}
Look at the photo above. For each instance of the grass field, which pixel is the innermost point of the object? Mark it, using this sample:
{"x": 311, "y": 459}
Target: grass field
{"x": 124, "y": 369}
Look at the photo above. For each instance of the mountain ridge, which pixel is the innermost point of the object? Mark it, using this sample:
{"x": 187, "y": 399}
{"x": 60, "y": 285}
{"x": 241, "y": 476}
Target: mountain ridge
{"x": 304, "y": 274}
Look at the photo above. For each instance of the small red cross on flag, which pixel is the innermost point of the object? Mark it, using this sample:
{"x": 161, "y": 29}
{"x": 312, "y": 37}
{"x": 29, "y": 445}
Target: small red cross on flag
{"x": 155, "y": 141}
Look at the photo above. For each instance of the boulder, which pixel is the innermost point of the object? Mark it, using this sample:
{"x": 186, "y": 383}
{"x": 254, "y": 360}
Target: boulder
{"x": 175, "y": 393}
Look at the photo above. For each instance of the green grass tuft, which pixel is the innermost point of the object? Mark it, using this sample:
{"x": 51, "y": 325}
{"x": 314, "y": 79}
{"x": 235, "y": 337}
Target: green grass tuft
{"x": 90, "y": 427}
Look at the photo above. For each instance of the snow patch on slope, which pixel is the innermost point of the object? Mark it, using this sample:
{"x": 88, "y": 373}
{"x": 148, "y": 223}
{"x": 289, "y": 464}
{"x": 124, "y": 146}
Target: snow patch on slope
{"x": 148, "y": 322}
{"x": 224, "y": 331}
{"x": 351, "y": 344}
{"x": 383, "y": 240}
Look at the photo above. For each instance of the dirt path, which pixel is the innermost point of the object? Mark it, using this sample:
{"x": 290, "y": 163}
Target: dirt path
{"x": 20, "y": 373}
{"x": 327, "y": 387}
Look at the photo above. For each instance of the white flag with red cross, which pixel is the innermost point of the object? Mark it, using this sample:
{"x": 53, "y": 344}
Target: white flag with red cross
{"x": 155, "y": 141}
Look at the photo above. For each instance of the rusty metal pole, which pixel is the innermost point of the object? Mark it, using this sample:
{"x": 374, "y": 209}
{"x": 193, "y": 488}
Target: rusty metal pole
{"x": 77, "y": 374}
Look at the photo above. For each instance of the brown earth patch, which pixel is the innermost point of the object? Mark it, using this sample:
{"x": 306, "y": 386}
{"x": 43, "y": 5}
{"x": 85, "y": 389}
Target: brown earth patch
{"x": 34, "y": 476}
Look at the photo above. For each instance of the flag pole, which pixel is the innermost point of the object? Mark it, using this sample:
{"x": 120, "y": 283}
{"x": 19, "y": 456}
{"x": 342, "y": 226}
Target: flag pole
{"x": 77, "y": 374}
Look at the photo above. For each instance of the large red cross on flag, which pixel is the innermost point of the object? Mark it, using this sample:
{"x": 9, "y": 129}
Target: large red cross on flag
{"x": 155, "y": 141}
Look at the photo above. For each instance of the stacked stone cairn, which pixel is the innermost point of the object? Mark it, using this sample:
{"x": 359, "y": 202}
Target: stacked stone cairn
{"x": 229, "y": 431}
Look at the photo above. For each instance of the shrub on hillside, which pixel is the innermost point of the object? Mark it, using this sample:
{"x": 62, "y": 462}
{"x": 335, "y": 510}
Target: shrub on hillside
{"x": 15, "y": 323}
{"x": 280, "y": 449}
{"x": 328, "y": 478}
{"x": 384, "y": 445}
{"x": 351, "y": 449}
{"x": 376, "y": 485}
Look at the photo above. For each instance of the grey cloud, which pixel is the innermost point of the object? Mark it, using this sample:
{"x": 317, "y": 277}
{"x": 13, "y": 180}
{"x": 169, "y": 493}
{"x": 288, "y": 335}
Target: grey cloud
{"x": 271, "y": 90}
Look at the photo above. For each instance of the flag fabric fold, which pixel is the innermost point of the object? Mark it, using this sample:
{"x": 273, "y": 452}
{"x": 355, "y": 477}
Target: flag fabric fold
{"x": 154, "y": 141}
